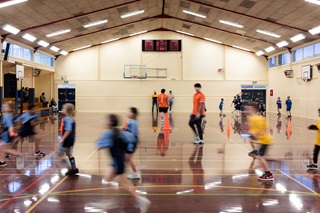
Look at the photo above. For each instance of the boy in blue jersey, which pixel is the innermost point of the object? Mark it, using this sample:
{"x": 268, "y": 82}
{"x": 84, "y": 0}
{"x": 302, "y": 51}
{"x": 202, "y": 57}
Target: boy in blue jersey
{"x": 221, "y": 108}
{"x": 279, "y": 106}
{"x": 7, "y": 134}
{"x": 67, "y": 137}
{"x": 29, "y": 120}
{"x": 289, "y": 105}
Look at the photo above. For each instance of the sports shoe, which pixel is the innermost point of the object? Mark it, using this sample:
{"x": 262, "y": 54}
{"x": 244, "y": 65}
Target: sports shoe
{"x": 266, "y": 176}
{"x": 312, "y": 166}
{"x": 143, "y": 203}
{"x": 253, "y": 152}
{"x": 39, "y": 153}
{"x": 3, "y": 164}
{"x": 199, "y": 142}
{"x": 72, "y": 172}
{"x": 112, "y": 183}
{"x": 196, "y": 140}
{"x": 134, "y": 176}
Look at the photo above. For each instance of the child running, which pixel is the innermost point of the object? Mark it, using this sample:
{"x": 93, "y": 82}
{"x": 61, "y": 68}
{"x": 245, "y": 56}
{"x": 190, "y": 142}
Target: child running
{"x": 67, "y": 137}
{"x": 7, "y": 134}
{"x": 279, "y": 106}
{"x": 221, "y": 108}
{"x": 29, "y": 121}
{"x": 117, "y": 140}
{"x": 257, "y": 128}
{"x": 131, "y": 126}
{"x": 315, "y": 127}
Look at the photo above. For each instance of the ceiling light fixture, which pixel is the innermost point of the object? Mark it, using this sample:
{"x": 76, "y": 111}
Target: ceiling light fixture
{"x": 137, "y": 33}
{"x": 315, "y": 30}
{"x": 80, "y": 48}
{"x": 282, "y": 44}
{"x": 132, "y": 14}
{"x": 29, "y": 37}
{"x": 190, "y": 34}
{"x": 259, "y": 53}
{"x": 234, "y": 24}
{"x": 194, "y": 14}
{"x": 313, "y": 1}
{"x": 298, "y": 37}
{"x": 63, "y": 52}
{"x": 54, "y": 48}
{"x": 58, "y": 33}
{"x": 9, "y": 3}
{"x": 95, "y": 23}
{"x": 11, "y": 29}
{"x": 268, "y": 33}
{"x": 106, "y": 41}
{"x": 43, "y": 43}
{"x": 270, "y": 49}
{"x": 241, "y": 48}
{"x": 209, "y": 39}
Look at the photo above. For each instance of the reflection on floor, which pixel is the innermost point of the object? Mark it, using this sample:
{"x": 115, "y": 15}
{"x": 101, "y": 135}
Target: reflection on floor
{"x": 176, "y": 175}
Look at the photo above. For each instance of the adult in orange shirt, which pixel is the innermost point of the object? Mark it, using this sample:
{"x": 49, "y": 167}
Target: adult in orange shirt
{"x": 163, "y": 105}
{"x": 197, "y": 114}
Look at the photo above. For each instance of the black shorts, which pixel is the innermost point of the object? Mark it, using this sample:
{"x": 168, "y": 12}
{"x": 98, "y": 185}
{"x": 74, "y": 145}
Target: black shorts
{"x": 262, "y": 150}
{"x": 118, "y": 165}
{"x": 163, "y": 109}
{"x": 27, "y": 133}
{"x": 253, "y": 138}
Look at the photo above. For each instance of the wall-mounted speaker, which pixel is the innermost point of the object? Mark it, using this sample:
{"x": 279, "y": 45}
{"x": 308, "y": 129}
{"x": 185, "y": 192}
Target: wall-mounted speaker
{"x": 6, "y": 52}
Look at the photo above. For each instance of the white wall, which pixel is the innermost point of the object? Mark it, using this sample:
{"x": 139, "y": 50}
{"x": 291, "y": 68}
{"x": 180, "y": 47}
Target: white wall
{"x": 100, "y": 86}
{"x": 304, "y": 95}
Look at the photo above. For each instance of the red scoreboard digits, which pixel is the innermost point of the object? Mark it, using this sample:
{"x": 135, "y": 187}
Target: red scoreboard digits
{"x": 161, "y": 45}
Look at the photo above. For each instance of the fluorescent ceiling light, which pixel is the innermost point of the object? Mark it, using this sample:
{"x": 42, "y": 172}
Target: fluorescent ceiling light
{"x": 241, "y": 48}
{"x": 9, "y": 3}
{"x": 43, "y": 43}
{"x": 58, "y": 33}
{"x": 313, "y": 1}
{"x": 185, "y": 33}
{"x": 29, "y": 37}
{"x": 106, "y": 41}
{"x": 259, "y": 53}
{"x": 282, "y": 44}
{"x": 297, "y": 37}
{"x": 194, "y": 14}
{"x": 137, "y": 33}
{"x": 132, "y": 14}
{"x": 10, "y": 29}
{"x": 315, "y": 30}
{"x": 95, "y": 23}
{"x": 231, "y": 23}
{"x": 268, "y": 33}
{"x": 54, "y": 48}
{"x": 270, "y": 49}
{"x": 209, "y": 39}
{"x": 80, "y": 48}
{"x": 64, "y": 52}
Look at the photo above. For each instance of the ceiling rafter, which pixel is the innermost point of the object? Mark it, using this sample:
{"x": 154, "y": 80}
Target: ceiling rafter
{"x": 248, "y": 16}
{"x": 74, "y": 17}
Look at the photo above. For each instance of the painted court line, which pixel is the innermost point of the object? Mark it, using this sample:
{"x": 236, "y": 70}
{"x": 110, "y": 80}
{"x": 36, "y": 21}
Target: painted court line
{"x": 46, "y": 195}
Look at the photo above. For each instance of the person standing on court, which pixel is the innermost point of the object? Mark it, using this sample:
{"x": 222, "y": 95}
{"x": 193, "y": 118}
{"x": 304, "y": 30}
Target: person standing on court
{"x": 289, "y": 105}
{"x": 171, "y": 99}
{"x": 154, "y": 100}
{"x": 279, "y": 106}
{"x": 197, "y": 114}
{"x": 163, "y": 100}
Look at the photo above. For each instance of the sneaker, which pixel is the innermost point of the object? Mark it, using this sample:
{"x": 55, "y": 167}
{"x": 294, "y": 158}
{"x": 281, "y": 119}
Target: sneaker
{"x": 265, "y": 176}
{"x": 134, "y": 176}
{"x": 253, "y": 152}
{"x": 196, "y": 140}
{"x": 112, "y": 183}
{"x": 312, "y": 166}
{"x": 40, "y": 154}
{"x": 199, "y": 142}
{"x": 3, "y": 164}
{"x": 143, "y": 203}
{"x": 72, "y": 172}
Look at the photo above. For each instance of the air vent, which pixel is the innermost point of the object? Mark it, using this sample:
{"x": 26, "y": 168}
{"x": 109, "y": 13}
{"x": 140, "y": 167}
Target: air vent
{"x": 185, "y": 4}
{"x": 204, "y": 10}
{"x": 186, "y": 26}
{"x": 247, "y": 4}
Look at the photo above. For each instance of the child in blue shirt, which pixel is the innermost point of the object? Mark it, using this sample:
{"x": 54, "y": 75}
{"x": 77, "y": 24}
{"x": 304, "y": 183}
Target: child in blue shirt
{"x": 7, "y": 134}
{"x": 131, "y": 126}
{"x": 289, "y": 105}
{"x": 279, "y": 106}
{"x": 221, "y": 108}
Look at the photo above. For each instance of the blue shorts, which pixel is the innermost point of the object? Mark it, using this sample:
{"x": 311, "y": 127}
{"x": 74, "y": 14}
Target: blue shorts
{"x": 288, "y": 108}
{"x": 220, "y": 108}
